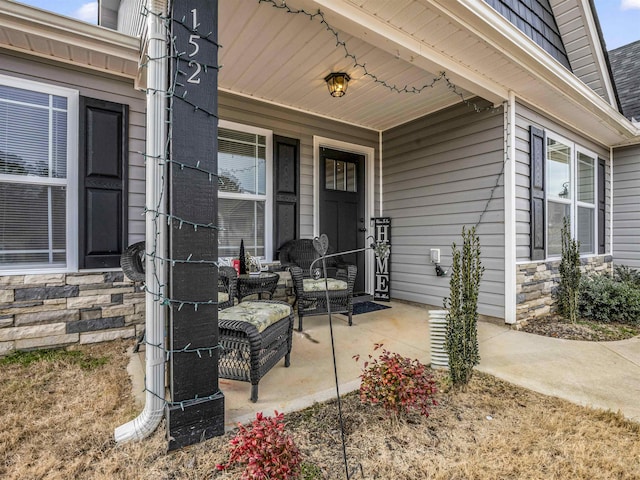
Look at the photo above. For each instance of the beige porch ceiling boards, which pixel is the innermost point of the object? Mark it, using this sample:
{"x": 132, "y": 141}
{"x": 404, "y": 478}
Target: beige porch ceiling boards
{"x": 280, "y": 57}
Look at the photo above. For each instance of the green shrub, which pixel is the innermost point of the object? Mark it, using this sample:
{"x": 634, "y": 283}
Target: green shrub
{"x": 604, "y": 299}
{"x": 622, "y": 273}
{"x": 568, "y": 291}
{"x": 461, "y": 341}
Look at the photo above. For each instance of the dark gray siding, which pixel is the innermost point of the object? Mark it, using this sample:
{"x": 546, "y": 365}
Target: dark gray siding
{"x": 294, "y": 124}
{"x": 438, "y": 175}
{"x": 626, "y": 206}
{"x": 103, "y": 87}
{"x": 536, "y": 20}
{"x": 525, "y": 117}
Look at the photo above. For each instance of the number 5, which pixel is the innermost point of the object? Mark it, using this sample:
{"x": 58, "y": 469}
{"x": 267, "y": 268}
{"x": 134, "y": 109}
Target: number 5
{"x": 196, "y": 47}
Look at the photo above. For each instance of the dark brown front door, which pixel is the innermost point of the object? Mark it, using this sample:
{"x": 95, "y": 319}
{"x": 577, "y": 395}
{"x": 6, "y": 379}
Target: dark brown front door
{"x": 342, "y": 205}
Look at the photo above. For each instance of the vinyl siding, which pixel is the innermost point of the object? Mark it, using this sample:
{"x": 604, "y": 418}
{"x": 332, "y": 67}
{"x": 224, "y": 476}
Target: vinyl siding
{"x": 103, "y": 87}
{"x": 438, "y": 174}
{"x": 571, "y": 20}
{"x": 626, "y": 206}
{"x": 294, "y": 124}
{"x": 525, "y": 117}
{"x": 131, "y": 18}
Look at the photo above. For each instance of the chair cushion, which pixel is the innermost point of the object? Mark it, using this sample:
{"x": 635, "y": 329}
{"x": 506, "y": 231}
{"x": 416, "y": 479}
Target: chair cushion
{"x": 259, "y": 314}
{"x": 223, "y": 297}
{"x": 311, "y": 285}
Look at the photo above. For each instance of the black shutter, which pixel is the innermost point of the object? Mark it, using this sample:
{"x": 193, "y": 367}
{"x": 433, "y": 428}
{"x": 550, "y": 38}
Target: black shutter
{"x": 601, "y": 206}
{"x": 286, "y": 190}
{"x": 102, "y": 177}
{"x": 537, "y": 164}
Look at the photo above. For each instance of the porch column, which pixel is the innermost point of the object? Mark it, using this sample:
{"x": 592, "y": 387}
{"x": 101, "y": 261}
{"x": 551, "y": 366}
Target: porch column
{"x": 510, "y": 209}
{"x": 196, "y": 407}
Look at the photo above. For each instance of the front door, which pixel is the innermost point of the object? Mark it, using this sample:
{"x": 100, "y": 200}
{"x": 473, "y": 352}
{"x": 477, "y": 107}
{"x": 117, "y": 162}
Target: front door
{"x": 342, "y": 213}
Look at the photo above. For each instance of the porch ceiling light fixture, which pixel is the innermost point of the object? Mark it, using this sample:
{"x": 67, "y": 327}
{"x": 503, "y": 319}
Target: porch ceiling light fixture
{"x": 337, "y": 83}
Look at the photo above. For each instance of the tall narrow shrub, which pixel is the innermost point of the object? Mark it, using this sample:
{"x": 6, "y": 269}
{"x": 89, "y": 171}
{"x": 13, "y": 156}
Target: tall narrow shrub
{"x": 568, "y": 291}
{"x": 461, "y": 341}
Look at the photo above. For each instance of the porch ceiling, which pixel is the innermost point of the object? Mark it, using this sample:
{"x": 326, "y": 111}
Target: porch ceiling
{"x": 280, "y": 57}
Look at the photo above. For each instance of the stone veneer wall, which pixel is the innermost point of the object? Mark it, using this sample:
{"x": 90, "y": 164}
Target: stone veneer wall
{"x": 537, "y": 281}
{"x": 51, "y": 310}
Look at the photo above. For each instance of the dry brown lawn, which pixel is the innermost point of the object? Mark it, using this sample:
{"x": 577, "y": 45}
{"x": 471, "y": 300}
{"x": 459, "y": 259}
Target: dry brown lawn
{"x": 58, "y": 415}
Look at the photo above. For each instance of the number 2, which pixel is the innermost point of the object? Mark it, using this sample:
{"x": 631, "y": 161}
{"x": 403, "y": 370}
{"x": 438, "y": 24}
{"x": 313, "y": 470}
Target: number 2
{"x": 192, "y": 78}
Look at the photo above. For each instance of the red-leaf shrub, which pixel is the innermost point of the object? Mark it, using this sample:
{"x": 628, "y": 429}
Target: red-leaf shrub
{"x": 397, "y": 383}
{"x": 265, "y": 449}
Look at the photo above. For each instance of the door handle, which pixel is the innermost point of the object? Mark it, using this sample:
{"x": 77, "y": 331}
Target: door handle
{"x": 362, "y": 229}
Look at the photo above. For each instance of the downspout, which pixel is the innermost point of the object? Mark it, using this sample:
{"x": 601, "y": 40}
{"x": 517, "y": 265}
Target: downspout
{"x": 380, "y": 168}
{"x": 610, "y": 208}
{"x": 510, "y": 210}
{"x": 156, "y": 230}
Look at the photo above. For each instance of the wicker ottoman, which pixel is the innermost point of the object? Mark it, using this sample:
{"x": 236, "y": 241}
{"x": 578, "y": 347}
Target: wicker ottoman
{"x": 254, "y": 336}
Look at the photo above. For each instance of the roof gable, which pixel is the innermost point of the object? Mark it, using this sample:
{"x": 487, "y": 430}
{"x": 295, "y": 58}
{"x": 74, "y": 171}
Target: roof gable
{"x": 625, "y": 64}
{"x": 536, "y": 20}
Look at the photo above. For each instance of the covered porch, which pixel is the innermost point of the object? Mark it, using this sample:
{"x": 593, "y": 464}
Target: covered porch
{"x": 595, "y": 374}
{"x": 403, "y": 328}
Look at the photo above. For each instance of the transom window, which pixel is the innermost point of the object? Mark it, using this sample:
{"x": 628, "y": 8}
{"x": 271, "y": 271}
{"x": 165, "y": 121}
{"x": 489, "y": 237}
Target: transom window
{"x": 37, "y": 175}
{"x": 244, "y": 190}
{"x": 571, "y": 192}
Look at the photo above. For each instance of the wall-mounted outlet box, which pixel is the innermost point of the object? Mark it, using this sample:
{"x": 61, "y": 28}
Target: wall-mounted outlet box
{"x": 435, "y": 255}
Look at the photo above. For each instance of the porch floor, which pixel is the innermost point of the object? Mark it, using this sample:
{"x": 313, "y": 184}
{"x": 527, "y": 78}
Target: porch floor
{"x": 602, "y": 375}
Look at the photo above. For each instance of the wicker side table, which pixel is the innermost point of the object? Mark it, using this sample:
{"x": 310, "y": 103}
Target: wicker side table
{"x": 264, "y": 282}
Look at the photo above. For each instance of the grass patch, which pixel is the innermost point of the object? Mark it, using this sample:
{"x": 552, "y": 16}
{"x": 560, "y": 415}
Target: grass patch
{"x": 73, "y": 357}
{"x": 615, "y": 330}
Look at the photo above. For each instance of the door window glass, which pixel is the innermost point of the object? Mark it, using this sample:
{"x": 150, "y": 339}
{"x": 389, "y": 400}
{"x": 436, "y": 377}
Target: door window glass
{"x": 340, "y": 175}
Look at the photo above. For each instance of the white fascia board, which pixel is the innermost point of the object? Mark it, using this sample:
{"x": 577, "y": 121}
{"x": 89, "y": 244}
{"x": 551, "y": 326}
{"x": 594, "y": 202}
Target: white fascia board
{"x": 47, "y": 25}
{"x": 347, "y": 17}
{"x": 484, "y": 21}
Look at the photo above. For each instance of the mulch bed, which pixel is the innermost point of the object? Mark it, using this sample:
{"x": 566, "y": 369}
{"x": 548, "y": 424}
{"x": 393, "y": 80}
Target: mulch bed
{"x": 557, "y": 327}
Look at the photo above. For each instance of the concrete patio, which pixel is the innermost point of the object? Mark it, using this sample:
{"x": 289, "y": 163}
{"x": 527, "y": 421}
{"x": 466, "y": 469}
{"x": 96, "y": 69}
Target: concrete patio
{"x": 602, "y": 375}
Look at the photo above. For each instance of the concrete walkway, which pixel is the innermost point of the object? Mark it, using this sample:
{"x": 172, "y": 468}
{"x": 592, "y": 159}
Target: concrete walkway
{"x": 602, "y": 375}
{"x": 596, "y": 374}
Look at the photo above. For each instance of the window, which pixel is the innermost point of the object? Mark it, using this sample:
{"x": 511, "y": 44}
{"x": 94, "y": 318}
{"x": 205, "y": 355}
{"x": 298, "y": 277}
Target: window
{"x": 38, "y": 176}
{"x": 244, "y": 194}
{"x": 340, "y": 175}
{"x": 571, "y": 192}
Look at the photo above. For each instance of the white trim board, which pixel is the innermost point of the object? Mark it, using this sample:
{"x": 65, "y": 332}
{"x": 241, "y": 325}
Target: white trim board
{"x": 369, "y": 207}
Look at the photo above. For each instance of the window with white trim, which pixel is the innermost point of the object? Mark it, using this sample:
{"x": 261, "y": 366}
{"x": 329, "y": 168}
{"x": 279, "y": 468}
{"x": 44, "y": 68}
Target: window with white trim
{"x": 38, "y": 176}
{"x": 571, "y": 192}
{"x": 244, "y": 190}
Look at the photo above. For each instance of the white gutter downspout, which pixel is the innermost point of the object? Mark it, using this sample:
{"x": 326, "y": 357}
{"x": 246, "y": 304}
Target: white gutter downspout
{"x": 510, "y": 210}
{"x": 380, "y": 168}
{"x": 611, "y": 184}
{"x": 156, "y": 231}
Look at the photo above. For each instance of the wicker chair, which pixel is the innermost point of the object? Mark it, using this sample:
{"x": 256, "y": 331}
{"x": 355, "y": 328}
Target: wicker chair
{"x": 227, "y": 284}
{"x": 132, "y": 263}
{"x": 311, "y": 296}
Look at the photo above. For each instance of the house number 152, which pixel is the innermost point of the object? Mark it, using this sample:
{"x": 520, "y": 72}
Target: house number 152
{"x": 194, "y": 78}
